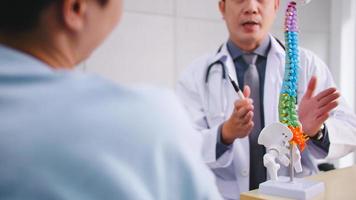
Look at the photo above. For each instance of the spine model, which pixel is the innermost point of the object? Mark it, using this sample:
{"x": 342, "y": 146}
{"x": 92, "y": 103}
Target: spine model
{"x": 288, "y": 97}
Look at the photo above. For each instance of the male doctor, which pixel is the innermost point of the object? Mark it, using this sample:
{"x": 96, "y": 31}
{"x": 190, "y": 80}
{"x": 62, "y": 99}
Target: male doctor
{"x": 230, "y": 125}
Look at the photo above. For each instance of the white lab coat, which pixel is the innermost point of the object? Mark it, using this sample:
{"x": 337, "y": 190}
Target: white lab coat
{"x": 211, "y": 104}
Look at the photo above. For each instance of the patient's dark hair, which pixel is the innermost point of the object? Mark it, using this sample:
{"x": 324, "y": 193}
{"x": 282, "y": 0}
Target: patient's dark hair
{"x": 23, "y": 15}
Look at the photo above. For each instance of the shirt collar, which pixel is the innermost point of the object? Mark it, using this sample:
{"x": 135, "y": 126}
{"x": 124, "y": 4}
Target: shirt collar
{"x": 15, "y": 61}
{"x": 261, "y": 50}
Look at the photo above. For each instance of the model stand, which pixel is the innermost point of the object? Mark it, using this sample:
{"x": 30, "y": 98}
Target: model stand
{"x": 285, "y": 140}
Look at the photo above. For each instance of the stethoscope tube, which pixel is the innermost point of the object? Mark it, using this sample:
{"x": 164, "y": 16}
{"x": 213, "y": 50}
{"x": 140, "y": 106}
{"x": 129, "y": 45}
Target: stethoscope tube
{"x": 223, "y": 100}
{"x": 218, "y": 62}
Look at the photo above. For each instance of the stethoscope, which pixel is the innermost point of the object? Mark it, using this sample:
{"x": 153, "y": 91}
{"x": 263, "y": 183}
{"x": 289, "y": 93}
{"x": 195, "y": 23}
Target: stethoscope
{"x": 220, "y": 62}
{"x": 223, "y": 94}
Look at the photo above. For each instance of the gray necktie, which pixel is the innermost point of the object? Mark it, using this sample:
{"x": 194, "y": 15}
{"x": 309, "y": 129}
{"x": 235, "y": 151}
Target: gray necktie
{"x": 251, "y": 78}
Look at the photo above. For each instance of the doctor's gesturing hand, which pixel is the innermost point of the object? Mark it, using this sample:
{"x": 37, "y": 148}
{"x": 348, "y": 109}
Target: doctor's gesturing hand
{"x": 314, "y": 110}
{"x": 240, "y": 123}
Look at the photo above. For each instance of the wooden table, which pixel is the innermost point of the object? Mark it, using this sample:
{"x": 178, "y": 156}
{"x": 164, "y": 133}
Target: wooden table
{"x": 339, "y": 184}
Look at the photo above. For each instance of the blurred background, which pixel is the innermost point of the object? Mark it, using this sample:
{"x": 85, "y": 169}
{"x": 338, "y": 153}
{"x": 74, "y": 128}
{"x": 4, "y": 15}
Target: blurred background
{"x": 157, "y": 39}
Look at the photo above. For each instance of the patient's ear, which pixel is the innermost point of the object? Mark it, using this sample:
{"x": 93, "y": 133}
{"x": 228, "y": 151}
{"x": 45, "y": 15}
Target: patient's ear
{"x": 222, "y": 8}
{"x": 73, "y": 13}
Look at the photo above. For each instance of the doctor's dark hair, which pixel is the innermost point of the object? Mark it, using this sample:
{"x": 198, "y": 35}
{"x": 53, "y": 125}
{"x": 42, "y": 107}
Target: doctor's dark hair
{"x": 18, "y": 16}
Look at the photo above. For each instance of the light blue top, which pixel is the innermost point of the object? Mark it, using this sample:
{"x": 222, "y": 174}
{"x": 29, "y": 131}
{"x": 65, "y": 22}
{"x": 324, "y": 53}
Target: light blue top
{"x": 70, "y": 135}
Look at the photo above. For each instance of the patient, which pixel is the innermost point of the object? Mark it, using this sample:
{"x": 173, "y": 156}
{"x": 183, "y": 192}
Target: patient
{"x": 69, "y": 135}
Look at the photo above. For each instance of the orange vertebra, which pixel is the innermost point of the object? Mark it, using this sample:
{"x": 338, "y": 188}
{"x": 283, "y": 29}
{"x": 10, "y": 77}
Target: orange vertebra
{"x": 299, "y": 137}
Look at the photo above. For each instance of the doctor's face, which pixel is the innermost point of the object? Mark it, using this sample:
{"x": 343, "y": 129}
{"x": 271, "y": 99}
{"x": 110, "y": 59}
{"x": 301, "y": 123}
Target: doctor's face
{"x": 248, "y": 21}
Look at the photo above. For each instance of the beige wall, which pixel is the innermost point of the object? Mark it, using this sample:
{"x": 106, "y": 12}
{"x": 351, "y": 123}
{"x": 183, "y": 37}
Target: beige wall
{"x": 156, "y": 39}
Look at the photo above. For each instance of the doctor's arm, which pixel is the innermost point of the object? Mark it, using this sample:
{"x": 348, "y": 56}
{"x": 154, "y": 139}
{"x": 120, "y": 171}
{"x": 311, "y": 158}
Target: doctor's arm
{"x": 240, "y": 123}
{"x": 314, "y": 110}
{"x": 321, "y": 105}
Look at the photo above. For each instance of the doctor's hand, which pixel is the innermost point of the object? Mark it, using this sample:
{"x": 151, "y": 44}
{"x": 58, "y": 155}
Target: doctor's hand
{"x": 240, "y": 123}
{"x": 314, "y": 110}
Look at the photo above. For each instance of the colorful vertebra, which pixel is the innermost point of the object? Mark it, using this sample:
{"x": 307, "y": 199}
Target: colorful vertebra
{"x": 288, "y": 97}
